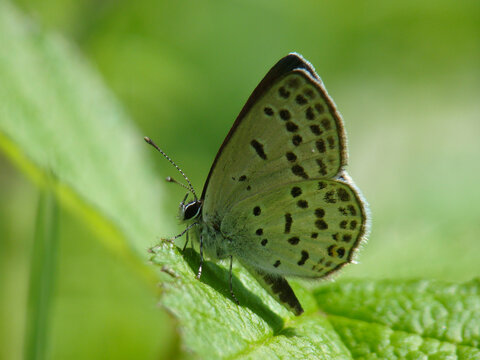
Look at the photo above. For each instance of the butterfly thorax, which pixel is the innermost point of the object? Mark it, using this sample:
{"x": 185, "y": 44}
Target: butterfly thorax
{"x": 214, "y": 241}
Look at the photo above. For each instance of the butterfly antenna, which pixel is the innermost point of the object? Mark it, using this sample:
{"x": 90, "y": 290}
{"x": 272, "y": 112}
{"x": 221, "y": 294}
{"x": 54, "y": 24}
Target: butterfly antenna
{"x": 172, "y": 180}
{"x": 169, "y": 179}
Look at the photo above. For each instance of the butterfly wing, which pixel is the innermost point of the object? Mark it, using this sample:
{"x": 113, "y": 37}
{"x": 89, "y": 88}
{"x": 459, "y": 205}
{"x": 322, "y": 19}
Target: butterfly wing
{"x": 306, "y": 229}
{"x": 277, "y": 188}
{"x": 289, "y": 130}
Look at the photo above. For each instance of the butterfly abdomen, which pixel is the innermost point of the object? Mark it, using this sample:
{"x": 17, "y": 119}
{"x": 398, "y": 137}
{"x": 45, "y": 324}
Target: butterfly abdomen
{"x": 278, "y": 287}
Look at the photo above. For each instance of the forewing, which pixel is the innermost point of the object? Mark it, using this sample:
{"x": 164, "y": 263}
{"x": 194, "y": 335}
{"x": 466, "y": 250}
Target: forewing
{"x": 306, "y": 229}
{"x": 289, "y": 130}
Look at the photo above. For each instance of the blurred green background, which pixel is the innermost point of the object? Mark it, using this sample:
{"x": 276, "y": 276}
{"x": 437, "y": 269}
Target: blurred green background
{"x": 405, "y": 76}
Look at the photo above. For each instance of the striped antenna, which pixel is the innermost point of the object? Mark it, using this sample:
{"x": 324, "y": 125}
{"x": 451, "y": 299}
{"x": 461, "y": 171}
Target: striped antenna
{"x": 169, "y": 179}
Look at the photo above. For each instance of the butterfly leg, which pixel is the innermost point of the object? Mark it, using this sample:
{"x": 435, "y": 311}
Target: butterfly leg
{"x": 171, "y": 240}
{"x": 186, "y": 242}
{"x": 199, "y": 274}
{"x": 231, "y": 284}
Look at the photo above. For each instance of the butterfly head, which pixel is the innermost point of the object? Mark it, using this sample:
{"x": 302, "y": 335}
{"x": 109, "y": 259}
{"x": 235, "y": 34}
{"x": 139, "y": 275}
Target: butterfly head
{"x": 189, "y": 211}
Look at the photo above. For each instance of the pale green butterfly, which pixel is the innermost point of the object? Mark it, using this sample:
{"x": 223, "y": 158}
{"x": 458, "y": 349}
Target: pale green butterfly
{"x": 277, "y": 197}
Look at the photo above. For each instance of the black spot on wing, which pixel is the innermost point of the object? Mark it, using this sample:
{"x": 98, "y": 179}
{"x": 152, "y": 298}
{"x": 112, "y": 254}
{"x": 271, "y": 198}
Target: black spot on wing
{"x": 296, "y": 191}
{"x": 315, "y": 129}
{"x": 285, "y": 114}
{"x": 294, "y": 240}
{"x": 343, "y": 195}
{"x": 297, "y": 140}
{"x": 347, "y": 237}
{"x": 330, "y": 197}
{"x": 291, "y": 126}
{"x": 319, "y": 212}
{"x": 321, "y": 224}
{"x": 326, "y": 124}
{"x": 331, "y": 142}
{"x": 299, "y": 171}
{"x": 322, "y": 167}
{"x": 353, "y": 224}
{"x": 259, "y": 149}
{"x": 300, "y": 100}
{"x": 288, "y": 222}
{"x": 309, "y": 114}
{"x": 304, "y": 258}
{"x": 352, "y": 210}
{"x": 303, "y": 204}
{"x": 291, "y": 156}
{"x": 320, "y": 109}
{"x": 283, "y": 92}
{"x": 309, "y": 93}
{"x": 330, "y": 250}
{"x": 335, "y": 251}
{"x": 320, "y": 144}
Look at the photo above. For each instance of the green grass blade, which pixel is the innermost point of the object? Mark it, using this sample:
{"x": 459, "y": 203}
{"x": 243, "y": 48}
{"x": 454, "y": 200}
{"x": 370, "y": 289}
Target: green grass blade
{"x": 42, "y": 277}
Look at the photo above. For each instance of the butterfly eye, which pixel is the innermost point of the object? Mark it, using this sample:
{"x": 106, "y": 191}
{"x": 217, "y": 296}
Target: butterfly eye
{"x": 191, "y": 210}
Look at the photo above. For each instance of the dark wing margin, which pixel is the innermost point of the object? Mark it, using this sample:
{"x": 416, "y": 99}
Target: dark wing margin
{"x": 290, "y": 62}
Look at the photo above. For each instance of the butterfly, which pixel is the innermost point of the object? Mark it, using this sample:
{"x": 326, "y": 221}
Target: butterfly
{"x": 277, "y": 197}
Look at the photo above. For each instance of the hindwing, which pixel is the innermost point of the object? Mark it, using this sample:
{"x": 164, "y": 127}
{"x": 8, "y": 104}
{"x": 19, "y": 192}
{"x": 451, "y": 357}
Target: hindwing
{"x": 305, "y": 229}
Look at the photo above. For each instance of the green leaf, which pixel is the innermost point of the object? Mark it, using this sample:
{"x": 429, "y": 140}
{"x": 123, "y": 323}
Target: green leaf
{"x": 64, "y": 129}
{"x": 364, "y": 319}
{"x": 214, "y": 326}
{"x": 405, "y": 319}
{"x": 58, "y": 118}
